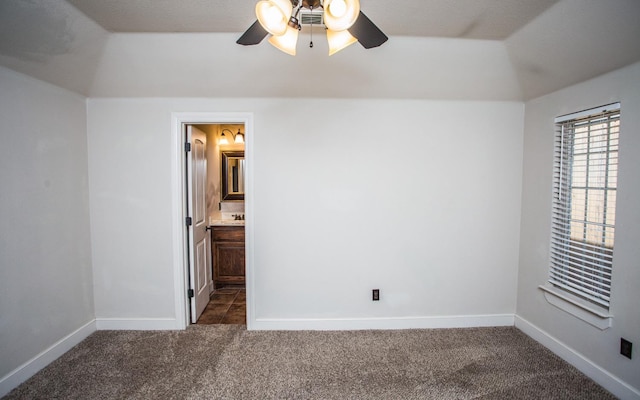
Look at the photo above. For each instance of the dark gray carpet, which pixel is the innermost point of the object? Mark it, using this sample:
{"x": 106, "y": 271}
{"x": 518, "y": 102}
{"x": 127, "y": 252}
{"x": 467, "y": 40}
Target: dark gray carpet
{"x": 228, "y": 362}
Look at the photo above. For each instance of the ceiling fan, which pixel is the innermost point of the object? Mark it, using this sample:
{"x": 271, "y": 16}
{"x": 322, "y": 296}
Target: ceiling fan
{"x": 345, "y": 24}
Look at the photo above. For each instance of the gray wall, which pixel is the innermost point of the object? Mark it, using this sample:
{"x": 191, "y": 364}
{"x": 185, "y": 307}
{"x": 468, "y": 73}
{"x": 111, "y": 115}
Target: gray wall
{"x": 601, "y": 347}
{"x": 420, "y": 199}
{"x": 46, "y": 285}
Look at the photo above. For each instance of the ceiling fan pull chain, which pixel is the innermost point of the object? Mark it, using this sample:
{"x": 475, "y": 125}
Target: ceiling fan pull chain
{"x": 311, "y": 32}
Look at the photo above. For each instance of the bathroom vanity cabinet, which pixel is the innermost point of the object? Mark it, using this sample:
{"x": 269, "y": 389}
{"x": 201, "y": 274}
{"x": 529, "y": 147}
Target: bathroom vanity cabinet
{"x": 227, "y": 247}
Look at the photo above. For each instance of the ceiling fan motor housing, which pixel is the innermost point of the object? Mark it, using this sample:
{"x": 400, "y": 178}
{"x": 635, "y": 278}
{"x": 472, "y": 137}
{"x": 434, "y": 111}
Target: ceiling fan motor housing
{"x": 310, "y": 4}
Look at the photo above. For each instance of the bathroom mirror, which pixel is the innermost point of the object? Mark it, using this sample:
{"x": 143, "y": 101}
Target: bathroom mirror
{"x": 233, "y": 175}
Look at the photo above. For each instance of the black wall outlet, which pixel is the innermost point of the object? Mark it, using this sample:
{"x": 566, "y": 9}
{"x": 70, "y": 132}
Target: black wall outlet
{"x": 625, "y": 347}
{"x": 376, "y": 294}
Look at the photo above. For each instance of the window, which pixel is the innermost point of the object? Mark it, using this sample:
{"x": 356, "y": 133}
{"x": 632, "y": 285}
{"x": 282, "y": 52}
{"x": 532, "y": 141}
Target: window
{"x": 584, "y": 202}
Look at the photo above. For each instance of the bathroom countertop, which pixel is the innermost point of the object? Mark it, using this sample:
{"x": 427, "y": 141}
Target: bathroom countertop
{"x": 226, "y": 222}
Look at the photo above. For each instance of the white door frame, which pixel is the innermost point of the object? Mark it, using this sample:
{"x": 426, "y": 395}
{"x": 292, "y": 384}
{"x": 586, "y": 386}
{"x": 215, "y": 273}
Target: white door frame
{"x": 179, "y": 206}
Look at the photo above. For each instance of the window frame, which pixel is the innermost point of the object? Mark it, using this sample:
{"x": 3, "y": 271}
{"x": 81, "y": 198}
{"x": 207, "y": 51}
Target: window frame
{"x": 579, "y": 274}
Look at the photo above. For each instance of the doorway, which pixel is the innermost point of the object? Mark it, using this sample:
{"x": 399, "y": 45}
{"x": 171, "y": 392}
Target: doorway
{"x": 219, "y": 282}
{"x": 181, "y": 209}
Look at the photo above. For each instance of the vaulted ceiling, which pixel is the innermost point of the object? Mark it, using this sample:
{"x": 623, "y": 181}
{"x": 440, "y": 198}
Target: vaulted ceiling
{"x": 471, "y": 19}
{"x": 445, "y": 49}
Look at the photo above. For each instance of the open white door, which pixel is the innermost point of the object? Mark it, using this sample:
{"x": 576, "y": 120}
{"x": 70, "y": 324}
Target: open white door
{"x": 199, "y": 239}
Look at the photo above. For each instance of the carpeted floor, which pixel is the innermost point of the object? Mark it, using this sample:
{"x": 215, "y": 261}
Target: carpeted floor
{"x": 228, "y": 362}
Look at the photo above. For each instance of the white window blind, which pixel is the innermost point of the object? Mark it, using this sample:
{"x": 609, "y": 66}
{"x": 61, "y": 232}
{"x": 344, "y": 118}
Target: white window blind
{"x": 584, "y": 202}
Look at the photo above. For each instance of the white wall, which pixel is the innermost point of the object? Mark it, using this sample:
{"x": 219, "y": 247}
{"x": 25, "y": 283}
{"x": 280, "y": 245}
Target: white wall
{"x": 598, "y": 347}
{"x": 46, "y": 290}
{"x": 214, "y": 171}
{"x": 214, "y": 66}
{"x": 334, "y": 216}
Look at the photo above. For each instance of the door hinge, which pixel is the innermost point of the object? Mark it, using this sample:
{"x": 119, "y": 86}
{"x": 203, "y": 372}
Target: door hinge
{"x": 187, "y": 147}
{"x": 190, "y": 293}
{"x": 188, "y": 221}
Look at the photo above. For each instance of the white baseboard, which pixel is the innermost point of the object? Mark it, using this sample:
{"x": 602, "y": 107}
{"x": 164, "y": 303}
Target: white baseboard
{"x": 326, "y": 324}
{"x": 28, "y": 369}
{"x": 137, "y": 324}
{"x": 614, "y": 385}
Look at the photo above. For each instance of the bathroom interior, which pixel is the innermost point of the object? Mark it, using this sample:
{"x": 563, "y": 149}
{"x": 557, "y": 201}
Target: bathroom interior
{"x": 225, "y": 208}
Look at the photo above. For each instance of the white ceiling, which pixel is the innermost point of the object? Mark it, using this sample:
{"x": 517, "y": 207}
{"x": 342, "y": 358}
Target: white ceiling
{"x": 471, "y": 19}
{"x": 437, "y": 49}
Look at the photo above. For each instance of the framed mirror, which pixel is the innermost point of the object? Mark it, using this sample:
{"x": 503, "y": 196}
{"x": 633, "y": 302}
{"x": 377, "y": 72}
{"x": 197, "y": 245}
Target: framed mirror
{"x": 233, "y": 175}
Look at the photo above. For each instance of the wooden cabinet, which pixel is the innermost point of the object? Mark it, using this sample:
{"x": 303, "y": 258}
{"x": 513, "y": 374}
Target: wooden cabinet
{"x": 227, "y": 247}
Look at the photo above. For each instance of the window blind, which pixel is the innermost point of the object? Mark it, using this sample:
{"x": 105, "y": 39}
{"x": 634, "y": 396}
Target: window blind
{"x": 584, "y": 198}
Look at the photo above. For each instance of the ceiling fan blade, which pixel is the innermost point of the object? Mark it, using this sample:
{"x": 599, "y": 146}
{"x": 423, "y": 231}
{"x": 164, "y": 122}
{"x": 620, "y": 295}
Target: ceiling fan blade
{"x": 367, "y": 33}
{"x": 253, "y": 35}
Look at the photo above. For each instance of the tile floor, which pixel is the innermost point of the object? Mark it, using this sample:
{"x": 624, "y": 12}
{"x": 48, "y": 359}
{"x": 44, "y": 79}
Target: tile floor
{"x": 227, "y": 305}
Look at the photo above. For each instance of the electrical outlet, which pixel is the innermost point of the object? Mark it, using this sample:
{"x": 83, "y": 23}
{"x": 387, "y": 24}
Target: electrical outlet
{"x": 376, "y": 295}
{"x": 625, "y": 347}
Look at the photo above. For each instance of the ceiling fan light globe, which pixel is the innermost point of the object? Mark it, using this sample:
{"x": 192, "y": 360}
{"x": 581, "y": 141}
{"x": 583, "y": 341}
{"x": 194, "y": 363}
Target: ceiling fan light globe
{"x": 340, "y": 22}
{"x": 339, "y": 40}
{"x": 274, "y": 15}
{"x": 286, "y": 42}
{"x": 338, "y": 8}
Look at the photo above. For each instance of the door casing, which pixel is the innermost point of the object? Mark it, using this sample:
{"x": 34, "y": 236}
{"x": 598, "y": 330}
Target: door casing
{"x": 179, "y": 207}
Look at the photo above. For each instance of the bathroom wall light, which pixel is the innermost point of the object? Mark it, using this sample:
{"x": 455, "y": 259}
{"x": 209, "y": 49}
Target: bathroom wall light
{"x": 237, "y": 138}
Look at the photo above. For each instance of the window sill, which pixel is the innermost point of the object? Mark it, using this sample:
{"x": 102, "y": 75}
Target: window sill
{"x": 579, "y": 308}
